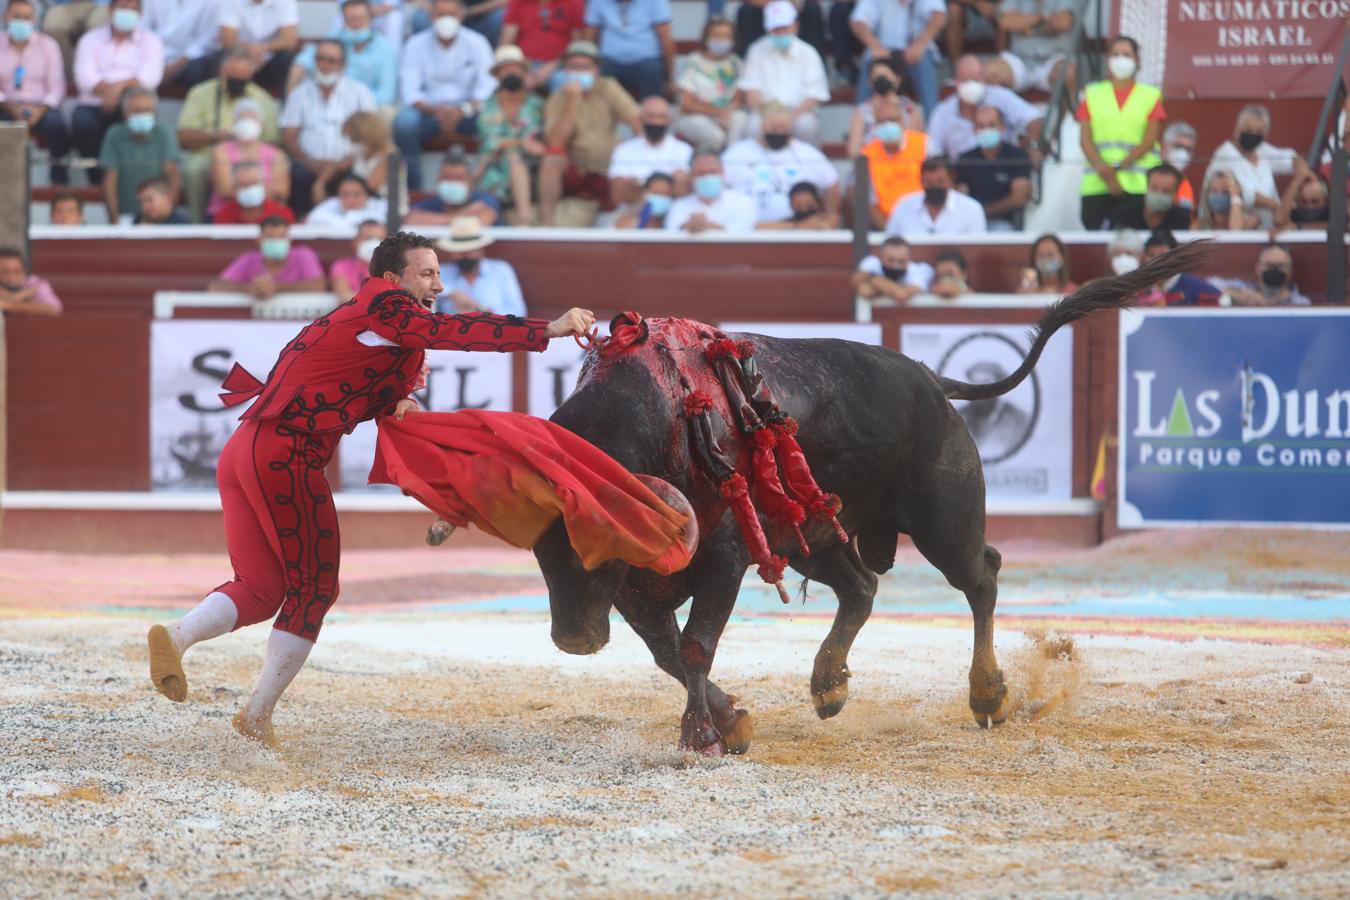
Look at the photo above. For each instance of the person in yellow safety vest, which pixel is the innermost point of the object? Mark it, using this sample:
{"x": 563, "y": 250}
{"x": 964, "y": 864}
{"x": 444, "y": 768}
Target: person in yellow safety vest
{"x": 1121, "y": 120}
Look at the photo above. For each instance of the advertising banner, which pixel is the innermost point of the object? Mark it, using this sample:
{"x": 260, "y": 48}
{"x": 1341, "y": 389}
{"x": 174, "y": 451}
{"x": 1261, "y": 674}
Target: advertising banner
{"x": 1026, "y": 436}
{"x": 1234, "y": 417}
{"x": 189, "y": 425}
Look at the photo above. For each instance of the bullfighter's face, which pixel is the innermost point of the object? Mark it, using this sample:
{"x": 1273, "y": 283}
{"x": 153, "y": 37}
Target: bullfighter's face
{"x": 421, "y": 276}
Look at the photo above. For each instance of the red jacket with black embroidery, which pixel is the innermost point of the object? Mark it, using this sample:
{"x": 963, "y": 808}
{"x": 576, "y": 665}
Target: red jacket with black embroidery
{"x": 327, "y": 380}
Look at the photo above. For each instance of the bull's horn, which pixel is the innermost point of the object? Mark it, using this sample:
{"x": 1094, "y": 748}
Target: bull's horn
{"x": 678, "y": 502}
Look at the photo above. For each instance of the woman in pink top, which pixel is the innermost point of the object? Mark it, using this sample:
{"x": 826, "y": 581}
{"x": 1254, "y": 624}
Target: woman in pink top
{"x": 347, "y": 275}
{"x": 248, "y": 146}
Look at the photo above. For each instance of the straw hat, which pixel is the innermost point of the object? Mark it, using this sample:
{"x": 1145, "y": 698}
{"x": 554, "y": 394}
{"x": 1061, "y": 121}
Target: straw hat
{"x": 505, "y": 55}
{"x": 466, "y": 234}
{"x": 583, "y": 48}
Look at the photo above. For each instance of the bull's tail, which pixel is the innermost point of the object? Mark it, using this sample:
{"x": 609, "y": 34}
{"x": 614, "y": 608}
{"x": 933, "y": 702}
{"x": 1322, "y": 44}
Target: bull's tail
{"x": 1118, "y": 292}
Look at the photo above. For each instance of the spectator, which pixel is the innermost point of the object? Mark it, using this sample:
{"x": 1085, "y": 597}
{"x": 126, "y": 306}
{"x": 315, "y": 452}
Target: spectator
{"x": 767, "y": 167}
{"x": 21, "y": 292}
{"x": 268, "y": 29}
{"x": 712, "y": 114}
{"x": 249, "y": 203}
{"x": 139, "y": 148}
{"x": 888, "y": 86}
{"x": 474, "y": 283}
{"x": 1125, "y": 250}
{"x": 996, "y": 173}
{"x": 33, "y": 84}
{"x": 890, "y": 274}
{"x": 211, "y": 119}
{"x": 886, "y": 26}
{"x": 894, "y": 158}
{"x": 1343, "y": 126}
{"x": 312, "y": 121}
{"x": 348, "y": 274}
{"x": 247, "y": 145}
{"x": 950, "y": 272}
{"x": 782, "y": 69}
{"x": 659, "y": 194}
{"x": 445, "y": 80}
{"x": 1048, "y": 272}
{"x": 275, "y": 267}
{"x": 67, "y": 21}
{"x": 1221, "y": 207}
{"x": 1178, "y": 150}
{"x": 109, "y": 61}
{"x": 1121, "y": 120}
{"x": 636, "y": 47}
{"x": 1274, "y": 284}
{"x": 937, "y": 209}
{"x": 1305, "y": 204}
{"x": 581, "y": 122}
{"x": 1158, "y": 208}
{"x": 808, "y": 212}
{"x": 190, "y": 33}
{"x": 353, "y": 204}
{"x": 1254, "y": 163}
{"x": 1041, "y": 44}
{"x": 388, "y": 20}
{"x": 456, "y": 197}
{"x": 371, "y": 59}
{"x": 654, "y": 150}
{"x": 67, "y": 209}
{"x": 372, "y": 148}
{"x": 951, "y": 126}
{"x": 751, "y": 19}
{"x": 711, "y": 206}
{"x": 542, "y": 29}
{"x": 509, "y": 128}
{"x": 1179, "y": 290}
{"x": 156, "y": 204}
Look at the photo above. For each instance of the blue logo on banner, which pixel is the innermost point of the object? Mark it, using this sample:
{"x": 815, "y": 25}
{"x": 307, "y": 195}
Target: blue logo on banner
{"x": 1235, "y": 416}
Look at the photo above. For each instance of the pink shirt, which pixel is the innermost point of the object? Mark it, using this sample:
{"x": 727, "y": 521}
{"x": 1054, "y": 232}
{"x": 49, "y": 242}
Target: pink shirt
{"x": 44, "y": 76}
{"x": 43, "y": 295}
{"x": 100, "y": 58}
{"x": 353, "y": 271}
{"x": 301, "y": 265}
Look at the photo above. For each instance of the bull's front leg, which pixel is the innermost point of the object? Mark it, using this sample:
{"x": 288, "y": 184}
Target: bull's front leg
{"x": 698, "y": 644}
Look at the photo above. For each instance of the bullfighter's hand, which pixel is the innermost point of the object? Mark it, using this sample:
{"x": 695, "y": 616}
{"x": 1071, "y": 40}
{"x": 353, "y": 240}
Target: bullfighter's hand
{"x": 405, "y": 406}
{"x": 574, "y": 321}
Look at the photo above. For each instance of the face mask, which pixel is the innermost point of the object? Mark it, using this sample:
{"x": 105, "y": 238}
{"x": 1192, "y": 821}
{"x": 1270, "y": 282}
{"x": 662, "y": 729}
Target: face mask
{"x": 897, "y": 275}
{"x": 251, "y": 197}
{"x": 1250, "y": 140}
{"x": 20, "y": 30}
{"x": 585, "y": 79}
{"x": 512, "y": 83}
{"x": 248, "y": 130}
{"x": 709, "y": 187}
{"x": 453, "y": 193}
{"x": 882, "y": 86}
{"x": 890, "y": 133}
{"x": 125, "y": 20}
{"x": 235, "y": 87}
{"x": 1123, "y": 263}
{"x": 1273, "y": 278}
{"x": 1307, "y": 215}
{"x": 1157, "y": 201}
{"x": 141, "y": 123}
{"x": 801, "y": 215}
{"x": 782, "y": 41}
{"x": 357, "y": 35}
{"x": 446, "y": 28}
{"x": 1179, "y": 157}
{"x": 1220, "y": 204}
{"x": 988, "y": 138}
{"x": 720, "y": 46}
{"x": 1122, "y": 68}
{"x": 326, "y": 79}
{"x": 655, "y": 133}
{"x": 1049, "y": 266}
{"x": 276, "y": 249}
{"x": 468, "y": 265}
{"x": 776, "y": 141}
{"x": 935, "y": 196}
{"x": 970, "y": 92}
{"x": 658, "y": 204}
{"x": 366, "y": 249}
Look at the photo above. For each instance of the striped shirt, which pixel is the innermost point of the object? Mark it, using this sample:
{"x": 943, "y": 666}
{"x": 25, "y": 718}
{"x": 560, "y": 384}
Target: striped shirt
{"x": 320, "y": 119}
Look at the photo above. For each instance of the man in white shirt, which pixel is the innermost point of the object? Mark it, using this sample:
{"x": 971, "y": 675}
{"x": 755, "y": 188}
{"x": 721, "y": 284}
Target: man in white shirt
{"x": 270, "y": 29}
{"x": 890, "y": 274}
{"x": 474, "y": 283}
{"x": 312, "y": 120}
{"x": 767, "y": 167}
{"x": 444, "y": 80}
{"x": 782, "y": 68}
{"x": 951, "y": 128}
{"x": 109, "y": 61}
{"x": 937, "y": 209}
{"x": 655, "y": 150}
{"x": 190, "y": 32}
{"x": 712, "y": 206}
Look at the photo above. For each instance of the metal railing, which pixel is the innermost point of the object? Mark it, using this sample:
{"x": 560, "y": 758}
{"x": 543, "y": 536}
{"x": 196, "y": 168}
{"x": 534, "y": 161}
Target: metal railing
{"x": 1328, "y": 136}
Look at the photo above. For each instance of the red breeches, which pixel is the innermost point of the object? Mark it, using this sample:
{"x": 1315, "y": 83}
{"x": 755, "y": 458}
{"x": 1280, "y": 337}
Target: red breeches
{"x": 280, "y": 525}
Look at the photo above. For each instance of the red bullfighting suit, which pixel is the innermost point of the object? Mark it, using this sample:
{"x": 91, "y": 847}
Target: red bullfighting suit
{"x": 344, "y": 368}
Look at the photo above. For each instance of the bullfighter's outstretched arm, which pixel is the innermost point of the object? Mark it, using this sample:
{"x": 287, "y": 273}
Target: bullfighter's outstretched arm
{"x": 397, "y": 317}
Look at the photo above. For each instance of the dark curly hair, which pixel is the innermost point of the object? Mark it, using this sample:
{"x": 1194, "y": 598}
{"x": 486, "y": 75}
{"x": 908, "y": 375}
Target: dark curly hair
{"x": 392, "y": 253}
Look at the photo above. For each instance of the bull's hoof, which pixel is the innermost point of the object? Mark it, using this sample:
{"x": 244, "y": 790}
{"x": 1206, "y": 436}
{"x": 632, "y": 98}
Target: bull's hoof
{"x": 831, "y": 703}
{"x": 701, "y": 736}
{"x": 737, "y": 732}
{"x": 993, "y": 711}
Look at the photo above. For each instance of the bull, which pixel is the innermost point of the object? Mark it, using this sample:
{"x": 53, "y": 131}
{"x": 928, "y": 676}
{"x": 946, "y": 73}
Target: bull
{"x": 879, "y": 430}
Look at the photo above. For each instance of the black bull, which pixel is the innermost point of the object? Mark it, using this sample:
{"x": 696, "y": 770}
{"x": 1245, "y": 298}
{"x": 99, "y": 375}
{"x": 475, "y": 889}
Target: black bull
{"x": 879, "y": 430}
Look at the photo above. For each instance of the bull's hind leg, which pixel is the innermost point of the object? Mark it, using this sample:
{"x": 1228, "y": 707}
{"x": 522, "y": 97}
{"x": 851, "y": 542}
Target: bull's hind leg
{"x": 841, "y": 569}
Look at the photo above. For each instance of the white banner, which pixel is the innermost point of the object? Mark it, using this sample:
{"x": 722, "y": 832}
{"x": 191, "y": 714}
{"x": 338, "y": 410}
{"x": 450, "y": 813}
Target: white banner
{"x": 1026, "y": 436}
{"x": 189, "y": 425}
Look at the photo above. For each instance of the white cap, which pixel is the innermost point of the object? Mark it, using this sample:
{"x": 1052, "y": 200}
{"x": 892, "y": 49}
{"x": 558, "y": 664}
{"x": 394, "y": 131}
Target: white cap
{"x": 779, "y": 14}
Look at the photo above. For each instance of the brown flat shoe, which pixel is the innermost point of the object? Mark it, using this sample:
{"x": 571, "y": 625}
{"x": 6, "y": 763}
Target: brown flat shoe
{"x": 166, "y": 666}
{"x": 256, "y": 731}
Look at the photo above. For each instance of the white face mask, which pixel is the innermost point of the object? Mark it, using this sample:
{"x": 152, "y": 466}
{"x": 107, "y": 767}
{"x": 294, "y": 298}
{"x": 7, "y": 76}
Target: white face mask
{"x": 326, "y": 79}
{"x": 971, "y": 92}
{"x": 1121, "y": 67}
{"x": 1179, "y": 157}
{"x": 248, "y": 130}
{"x": 1124, "y": 263}
{"x": 251, "y": 197}
{"x": 366, "y": 249}
{"x": 446, "y": 27}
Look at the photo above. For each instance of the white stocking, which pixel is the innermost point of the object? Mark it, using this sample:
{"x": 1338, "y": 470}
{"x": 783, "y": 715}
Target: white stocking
{"x": 211, "y": 618}
{"x": 286, "y": 654}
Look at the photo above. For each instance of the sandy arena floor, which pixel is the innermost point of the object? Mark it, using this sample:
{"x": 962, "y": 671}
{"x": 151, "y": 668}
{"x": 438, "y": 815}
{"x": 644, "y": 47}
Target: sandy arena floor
{"x": 435, "y": 746}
